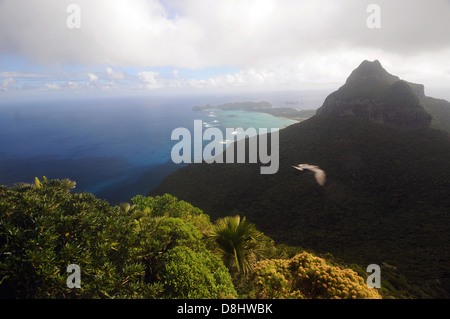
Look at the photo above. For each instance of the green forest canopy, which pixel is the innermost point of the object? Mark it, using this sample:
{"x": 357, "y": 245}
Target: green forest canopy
{"x": 156, "y": 247}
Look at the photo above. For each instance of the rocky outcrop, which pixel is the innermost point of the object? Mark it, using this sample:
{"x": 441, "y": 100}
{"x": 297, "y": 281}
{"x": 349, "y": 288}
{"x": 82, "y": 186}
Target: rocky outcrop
{"x": 370, "y": 92}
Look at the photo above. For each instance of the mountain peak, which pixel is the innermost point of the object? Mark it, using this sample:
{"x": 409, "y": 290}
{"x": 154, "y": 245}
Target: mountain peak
{"x": 371, "y": 92}
{"x": 371, "y": 73}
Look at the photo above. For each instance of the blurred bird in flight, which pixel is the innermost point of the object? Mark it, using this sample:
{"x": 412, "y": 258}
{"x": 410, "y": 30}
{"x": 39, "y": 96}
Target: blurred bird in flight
{"x": 318, "y": 173}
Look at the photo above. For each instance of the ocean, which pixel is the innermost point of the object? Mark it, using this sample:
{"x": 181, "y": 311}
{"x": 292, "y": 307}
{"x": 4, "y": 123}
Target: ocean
{"x": 113, "y": 148}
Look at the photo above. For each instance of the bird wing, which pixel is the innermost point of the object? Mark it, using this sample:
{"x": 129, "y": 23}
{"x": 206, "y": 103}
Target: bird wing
{"x": 318, "y": 173}
{"x": 320, "y": 176}
{"x": 307, "y": 166}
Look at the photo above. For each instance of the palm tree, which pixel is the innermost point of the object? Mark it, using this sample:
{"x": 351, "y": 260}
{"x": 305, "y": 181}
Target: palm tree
{"x": 238, "y": 243}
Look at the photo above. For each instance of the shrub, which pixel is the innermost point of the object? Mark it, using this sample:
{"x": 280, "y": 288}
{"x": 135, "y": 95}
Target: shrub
{"x": 169, "y": 206}
{"x": 308, "y": 276}
{"x": 121, "y": 251}
{"x": 44, "y": 229}
{"x": 192, "y": 275}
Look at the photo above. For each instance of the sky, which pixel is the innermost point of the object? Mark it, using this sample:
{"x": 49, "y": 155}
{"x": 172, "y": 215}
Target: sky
{"x": 139, "y": 46}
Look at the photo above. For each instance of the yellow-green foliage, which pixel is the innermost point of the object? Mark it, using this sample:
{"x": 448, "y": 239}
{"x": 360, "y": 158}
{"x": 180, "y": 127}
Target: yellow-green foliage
{"x": 156, "y": 248}
{"x": 310, "y": 277}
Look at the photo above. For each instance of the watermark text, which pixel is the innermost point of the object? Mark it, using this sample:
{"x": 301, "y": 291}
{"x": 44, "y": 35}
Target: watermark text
{"x": 213, "y": 152}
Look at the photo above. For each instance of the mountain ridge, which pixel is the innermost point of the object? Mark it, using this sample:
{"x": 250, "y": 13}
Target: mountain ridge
{"x": 372, "y": 92}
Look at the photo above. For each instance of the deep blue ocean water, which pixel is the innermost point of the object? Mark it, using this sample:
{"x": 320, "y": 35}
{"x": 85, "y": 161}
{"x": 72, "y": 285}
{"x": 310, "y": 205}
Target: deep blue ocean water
{"x": 114, "y": 148}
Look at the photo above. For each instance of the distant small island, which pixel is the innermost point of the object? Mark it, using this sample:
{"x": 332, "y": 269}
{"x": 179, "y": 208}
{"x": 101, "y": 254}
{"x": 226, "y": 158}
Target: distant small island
{"x": 263, "y": 107}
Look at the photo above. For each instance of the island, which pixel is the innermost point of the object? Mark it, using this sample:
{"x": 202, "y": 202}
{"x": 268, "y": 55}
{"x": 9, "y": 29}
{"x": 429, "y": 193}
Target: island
{"x": 263, "y": 106}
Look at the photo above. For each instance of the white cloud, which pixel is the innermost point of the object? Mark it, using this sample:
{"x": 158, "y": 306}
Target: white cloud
{"x": 210, "y": 33}
{"x": 274, "y": 43}
{"x": 114, "y": 75}
{"x": 148, "y": 79}
{"x": 53, "y": 86}
{"x": 8, "y": 84}
{"x": 92, "y": 77}
{"x": 114, "y": 32}
{"x": 15, "y": 74}
{"x": 73, "y": 85}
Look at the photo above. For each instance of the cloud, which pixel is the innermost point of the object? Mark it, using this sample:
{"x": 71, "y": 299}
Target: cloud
{"x": 148, "y": 79}
{"x": 8, "y": 84}
{"x": 92, "y": 77}
{"x": 16, "y": 74}
{"x": 198, "y": 34}
{"x": 115, "y": 32}
{"x": 115, "y": 75}
{"x": 53, "y": 86}
{"x": 280, "y": 43}
{"x": 73, "y": 85}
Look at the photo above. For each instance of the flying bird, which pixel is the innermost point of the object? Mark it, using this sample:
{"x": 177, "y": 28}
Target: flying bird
{"x": 318, "y": 173}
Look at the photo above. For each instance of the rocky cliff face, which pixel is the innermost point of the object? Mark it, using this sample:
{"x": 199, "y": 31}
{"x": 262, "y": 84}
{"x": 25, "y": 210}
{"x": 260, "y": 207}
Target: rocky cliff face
{"x": 370, "y": 92}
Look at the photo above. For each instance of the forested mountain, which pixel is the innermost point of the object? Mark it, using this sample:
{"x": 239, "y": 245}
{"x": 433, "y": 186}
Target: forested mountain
{"x": 386, "y": 197}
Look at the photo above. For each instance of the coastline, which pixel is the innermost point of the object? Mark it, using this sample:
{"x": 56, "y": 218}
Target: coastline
{"x": 232, "y": 123}
{"x": 261, "y": 107}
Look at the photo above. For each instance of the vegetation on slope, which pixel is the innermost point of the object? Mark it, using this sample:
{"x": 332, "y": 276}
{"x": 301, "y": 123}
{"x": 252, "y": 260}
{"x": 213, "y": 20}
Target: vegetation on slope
{"x": 385, "y": 200}
{"x": 286, "y": 278}
{"x": 156, "y": 247}
{"x": 155, "y": 252}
